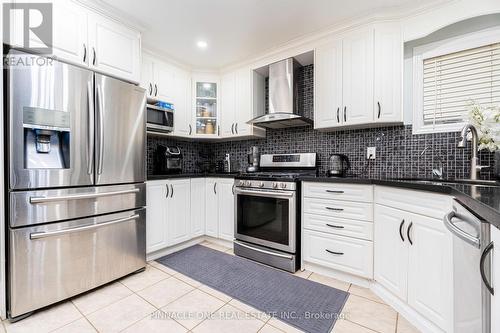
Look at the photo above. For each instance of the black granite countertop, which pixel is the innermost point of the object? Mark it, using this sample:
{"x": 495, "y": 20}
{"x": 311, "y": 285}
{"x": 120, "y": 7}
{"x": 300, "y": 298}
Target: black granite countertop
{"x": 482, "y": 199}
{"x": 192, "y": 175}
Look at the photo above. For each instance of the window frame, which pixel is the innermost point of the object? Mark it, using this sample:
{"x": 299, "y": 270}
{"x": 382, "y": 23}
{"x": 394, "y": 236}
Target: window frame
{"x": 436, "y": 49}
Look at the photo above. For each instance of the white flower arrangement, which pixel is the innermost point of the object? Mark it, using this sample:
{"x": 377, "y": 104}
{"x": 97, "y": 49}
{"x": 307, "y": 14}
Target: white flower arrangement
{"x": 487, "y": 122}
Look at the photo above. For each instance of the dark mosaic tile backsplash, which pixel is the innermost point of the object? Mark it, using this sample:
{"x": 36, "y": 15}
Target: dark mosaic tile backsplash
{"x": 398, "y": 151}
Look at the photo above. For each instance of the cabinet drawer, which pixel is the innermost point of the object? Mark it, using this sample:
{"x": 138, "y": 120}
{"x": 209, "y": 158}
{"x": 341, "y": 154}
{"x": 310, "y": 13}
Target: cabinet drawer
{"x": 338, "y": 226}
{"x": 354, "y": 256}
{"x": 350, "y": 192}
{"x": 337, "y": 208}
{"x": 420, "y": 202}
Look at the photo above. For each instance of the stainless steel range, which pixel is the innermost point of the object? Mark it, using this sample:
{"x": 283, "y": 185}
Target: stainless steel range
{"x": 267, "y": 206}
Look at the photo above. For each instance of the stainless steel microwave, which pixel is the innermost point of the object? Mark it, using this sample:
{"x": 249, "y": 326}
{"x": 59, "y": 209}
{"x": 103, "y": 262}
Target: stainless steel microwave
{"x": 159, "y": 119}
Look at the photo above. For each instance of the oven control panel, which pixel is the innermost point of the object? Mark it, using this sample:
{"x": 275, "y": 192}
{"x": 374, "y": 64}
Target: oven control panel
{"x": 266, "y": 184}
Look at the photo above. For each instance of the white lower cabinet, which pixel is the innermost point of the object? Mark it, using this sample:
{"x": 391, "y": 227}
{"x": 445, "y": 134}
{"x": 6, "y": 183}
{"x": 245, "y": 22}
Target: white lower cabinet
{"x": 219, "y": 208}
{"x": 197, "y": 207}
{"x": 413, "y": 260}
{"x": 156, "y": 215}
{"x": 178, "y": 211}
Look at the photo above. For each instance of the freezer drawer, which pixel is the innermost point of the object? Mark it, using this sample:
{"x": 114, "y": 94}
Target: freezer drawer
{"x": 52, "y": 262}
{"x": 44, "y": 206}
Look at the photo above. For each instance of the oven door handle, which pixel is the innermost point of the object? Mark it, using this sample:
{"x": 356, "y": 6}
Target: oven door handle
{"x": 277, "y": 194}
{"x": 264, "y": 251}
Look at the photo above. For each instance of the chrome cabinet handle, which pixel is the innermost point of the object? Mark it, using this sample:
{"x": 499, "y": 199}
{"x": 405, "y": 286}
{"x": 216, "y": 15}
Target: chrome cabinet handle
{"x": 232, "y": 128}
{"x": 379, "y": 109}
{"x": 487, "y": 283}
{"x": 84, "y": 52}
{"x": 472, "y": 240}
{"x": 172, "y": 190}
{"x": 335, "y": 226}
{"x": 100, "y": 110}
{"x": 90, "y": 131}
{"x": 232, "y": 189}
{"x": 338, "y": 118}
{"x": 150, "y": 88}
{"x": 401, "y": 230}
{"x": 236, "y": 128}
{"x": 95, "y": 56}
{"x": 408, "y": 233}
{"x": 335, "y": 191}
{"x": 168, "y": 191}
{"x": 156, "y": 90}
{"x": 190, "y": 129}
{"x": 345, "y": 116}
{"x": 333, "y": 252}
{"x": 215, "y": 188}
{"x": 335, "y": 209}
{"x": 39, "y": 200}
{"x": 38, "y": 235}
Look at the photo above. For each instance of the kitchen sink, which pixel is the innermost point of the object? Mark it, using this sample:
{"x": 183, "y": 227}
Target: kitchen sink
{"x": 453, "y": 181}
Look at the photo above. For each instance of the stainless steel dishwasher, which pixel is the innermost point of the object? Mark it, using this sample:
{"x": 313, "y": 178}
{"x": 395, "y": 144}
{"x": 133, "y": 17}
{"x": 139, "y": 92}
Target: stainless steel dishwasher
{"x": 472, "y": 288}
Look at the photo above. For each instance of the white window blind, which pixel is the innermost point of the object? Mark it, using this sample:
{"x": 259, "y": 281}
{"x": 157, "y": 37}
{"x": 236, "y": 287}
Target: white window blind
{"x": 452, "y": 80}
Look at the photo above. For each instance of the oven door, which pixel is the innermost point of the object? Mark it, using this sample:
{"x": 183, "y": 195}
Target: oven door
{"x": 266, "y": 217}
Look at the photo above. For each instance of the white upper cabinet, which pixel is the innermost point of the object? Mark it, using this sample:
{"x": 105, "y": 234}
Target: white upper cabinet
{"x": 358, "y": 78}
{"x": 147, "y": 75}
{"x": 183, "y": 126}
{"x": 328, "y": 85}
{"x": 164, "y": 82}
{"x": 388, "y": 73}
{"x": 114, "y": 48}
{"x": 236, "y": 104}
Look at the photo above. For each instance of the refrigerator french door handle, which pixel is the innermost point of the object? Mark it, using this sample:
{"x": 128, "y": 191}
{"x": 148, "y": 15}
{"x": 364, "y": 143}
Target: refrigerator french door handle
{"x": 100, "y": 111}
{"x": 38, "y": 235}
{"x": 474, "y": 241}
{"x": 90, "y": 143}
{"x": 485, "y": 253}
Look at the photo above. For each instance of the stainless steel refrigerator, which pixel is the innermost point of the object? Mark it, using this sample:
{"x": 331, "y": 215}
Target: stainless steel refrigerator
{"x": 76, "y": 172}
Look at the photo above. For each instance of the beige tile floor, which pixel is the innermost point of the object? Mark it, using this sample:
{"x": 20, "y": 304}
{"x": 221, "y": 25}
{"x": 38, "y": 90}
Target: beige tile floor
{"x": 162, "y": 300}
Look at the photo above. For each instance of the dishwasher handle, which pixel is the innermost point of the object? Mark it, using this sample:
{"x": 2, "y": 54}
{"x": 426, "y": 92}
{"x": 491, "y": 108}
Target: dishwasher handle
{"x": 472, "y": 240}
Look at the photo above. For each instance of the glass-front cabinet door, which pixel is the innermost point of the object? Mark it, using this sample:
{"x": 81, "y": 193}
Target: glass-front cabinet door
{"x": 206, "y": 114}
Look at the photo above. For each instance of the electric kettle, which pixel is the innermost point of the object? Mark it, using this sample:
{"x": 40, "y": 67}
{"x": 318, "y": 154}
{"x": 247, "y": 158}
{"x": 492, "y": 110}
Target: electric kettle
{"x": 338, "y": 165}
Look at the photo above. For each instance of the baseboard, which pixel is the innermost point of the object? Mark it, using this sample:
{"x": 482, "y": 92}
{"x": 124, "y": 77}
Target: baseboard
{"x": 357, "y": 280}
{"x": 219, "y": 241}
{"x": 168, "y": 250}
{"x": 416, "y": 319}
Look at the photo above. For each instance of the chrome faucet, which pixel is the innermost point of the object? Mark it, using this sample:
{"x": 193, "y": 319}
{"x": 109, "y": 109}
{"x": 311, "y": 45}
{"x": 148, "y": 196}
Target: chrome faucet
{"x": 436, "y": 172}
{"x": 474, "y": 161}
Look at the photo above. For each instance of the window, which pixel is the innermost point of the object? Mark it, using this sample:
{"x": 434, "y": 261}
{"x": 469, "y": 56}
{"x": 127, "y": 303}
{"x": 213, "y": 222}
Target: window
{"x": 449, "y": 75}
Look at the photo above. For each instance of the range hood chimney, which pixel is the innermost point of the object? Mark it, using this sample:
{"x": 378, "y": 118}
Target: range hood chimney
{"x": 283, "y": 111}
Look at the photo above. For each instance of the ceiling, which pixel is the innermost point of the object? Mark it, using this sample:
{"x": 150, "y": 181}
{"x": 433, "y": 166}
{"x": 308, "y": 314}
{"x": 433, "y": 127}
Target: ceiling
{"x": 236, "y": 30}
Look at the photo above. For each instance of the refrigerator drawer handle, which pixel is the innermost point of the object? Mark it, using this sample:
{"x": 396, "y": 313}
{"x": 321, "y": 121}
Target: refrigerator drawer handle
{"x": 38, "y": 200}
{"x": 488, "y": 285}
{"x": 38, "y": 235}
{"x": 474, "y": 241}
{"x": 264, "y": 251}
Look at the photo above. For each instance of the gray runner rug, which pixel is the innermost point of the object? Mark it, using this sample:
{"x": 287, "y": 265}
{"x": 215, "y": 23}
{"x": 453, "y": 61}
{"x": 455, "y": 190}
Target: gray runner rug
{"x": 307, "y": 305}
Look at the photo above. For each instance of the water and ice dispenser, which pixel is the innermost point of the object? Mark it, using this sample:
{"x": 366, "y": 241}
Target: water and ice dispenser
{"x": 47, "y": 138}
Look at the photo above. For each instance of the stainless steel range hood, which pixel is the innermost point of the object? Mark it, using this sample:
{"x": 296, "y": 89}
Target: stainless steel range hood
{"x": 283, "y": 111}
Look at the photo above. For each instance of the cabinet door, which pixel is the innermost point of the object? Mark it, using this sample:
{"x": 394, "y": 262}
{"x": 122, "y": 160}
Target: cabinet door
{"x": 225, "y": 192}
{"x": 182, "y": 104}
{"x": 164, "y": 82}
{"x": 430, "y": 270}
{"x": 228, "y": 103}
{"x": 388, "y": 73}
{"x": 328, "y": 86}
{"x": 197, "y": 207}
{"x": 211, "y": 208}
{"x": 357, "y": 77}
{"x": 495, "y": 279}
{"x": 391, "y": 249}
{"x": 147, "y": 79}
{"x": 114, "y": 48}
{"x": 178, "y": 214}
{"x": 156, "y": 222}
{"x": 243, "y": 105}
